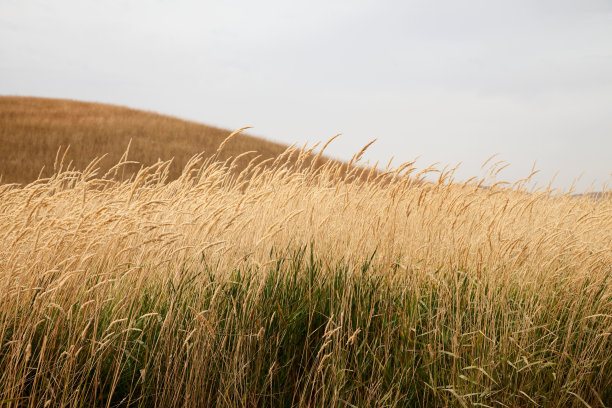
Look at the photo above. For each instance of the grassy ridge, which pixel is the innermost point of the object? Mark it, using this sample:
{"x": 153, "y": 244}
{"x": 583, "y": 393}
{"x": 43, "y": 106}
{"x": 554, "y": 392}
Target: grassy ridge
{"x": 302, "y": 333}
{"x": 32, "y": 130}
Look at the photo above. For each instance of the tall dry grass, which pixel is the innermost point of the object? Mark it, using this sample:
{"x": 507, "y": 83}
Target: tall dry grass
{"x": 288, "y": 284}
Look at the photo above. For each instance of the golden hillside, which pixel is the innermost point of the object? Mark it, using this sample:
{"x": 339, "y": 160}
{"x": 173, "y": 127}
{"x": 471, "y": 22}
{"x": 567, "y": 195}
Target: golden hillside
{"x": 32, "y": 130}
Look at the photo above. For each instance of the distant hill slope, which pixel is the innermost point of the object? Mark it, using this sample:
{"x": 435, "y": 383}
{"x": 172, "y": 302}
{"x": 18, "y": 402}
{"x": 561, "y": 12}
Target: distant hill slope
{"x": 32, "y": 130}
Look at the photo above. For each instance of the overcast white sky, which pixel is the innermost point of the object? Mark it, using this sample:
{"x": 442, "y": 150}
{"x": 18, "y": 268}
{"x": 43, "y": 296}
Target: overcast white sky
{"x": 451, "y": 81}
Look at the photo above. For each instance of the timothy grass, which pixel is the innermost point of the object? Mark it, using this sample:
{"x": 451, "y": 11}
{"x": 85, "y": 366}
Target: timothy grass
{"x": 301, "y": 283}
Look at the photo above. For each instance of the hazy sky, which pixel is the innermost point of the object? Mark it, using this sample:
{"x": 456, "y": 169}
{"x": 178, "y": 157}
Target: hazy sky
{"x": 450, "y": 81}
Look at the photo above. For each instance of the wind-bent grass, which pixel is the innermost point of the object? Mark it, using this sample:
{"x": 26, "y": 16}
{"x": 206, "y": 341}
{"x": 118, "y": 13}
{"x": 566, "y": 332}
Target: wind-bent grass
{"x": 294, "y": 285}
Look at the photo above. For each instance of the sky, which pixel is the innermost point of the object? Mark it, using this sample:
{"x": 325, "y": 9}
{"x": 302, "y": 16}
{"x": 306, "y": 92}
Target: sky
{"x": 445, "y": 81}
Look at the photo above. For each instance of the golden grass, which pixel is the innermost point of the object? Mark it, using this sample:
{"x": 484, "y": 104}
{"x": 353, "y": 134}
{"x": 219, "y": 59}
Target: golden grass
{"x": 78, "y": 239}
{"x": 75, "y": 218}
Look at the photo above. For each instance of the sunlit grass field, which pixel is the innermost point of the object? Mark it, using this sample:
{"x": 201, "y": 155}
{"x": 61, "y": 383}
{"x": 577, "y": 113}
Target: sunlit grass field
{"x": 301, "y": 282}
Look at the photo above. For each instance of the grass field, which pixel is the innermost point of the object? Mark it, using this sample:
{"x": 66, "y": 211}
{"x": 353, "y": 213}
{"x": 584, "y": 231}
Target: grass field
{"x": 298, "y": 283}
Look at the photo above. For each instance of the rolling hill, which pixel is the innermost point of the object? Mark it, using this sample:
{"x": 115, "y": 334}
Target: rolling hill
{"x": 33, "y": 129}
